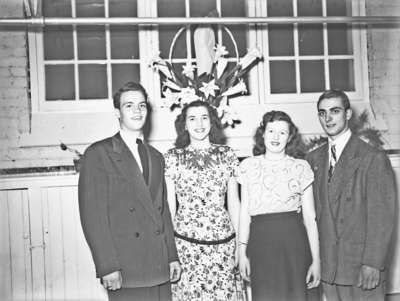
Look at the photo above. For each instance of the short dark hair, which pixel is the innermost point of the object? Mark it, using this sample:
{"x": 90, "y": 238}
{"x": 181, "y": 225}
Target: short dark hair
{"x": 216, "y": 133}
{"x": 129, "y": 86}
{"x": 335, "y": 93}
{"x": 294, "y": 147}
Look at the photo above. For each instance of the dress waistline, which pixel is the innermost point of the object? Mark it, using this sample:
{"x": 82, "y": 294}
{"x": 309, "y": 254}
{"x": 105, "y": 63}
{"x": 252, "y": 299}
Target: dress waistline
{"x": 205, "y": 242}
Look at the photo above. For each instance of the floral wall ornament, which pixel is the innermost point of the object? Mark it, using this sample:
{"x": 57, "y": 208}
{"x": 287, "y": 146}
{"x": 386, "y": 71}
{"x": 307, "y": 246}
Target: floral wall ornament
{"x": 210, "y": 80}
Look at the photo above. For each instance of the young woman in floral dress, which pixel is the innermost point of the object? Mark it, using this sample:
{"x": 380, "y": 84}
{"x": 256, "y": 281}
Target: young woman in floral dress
{"x": 199, "y": 174}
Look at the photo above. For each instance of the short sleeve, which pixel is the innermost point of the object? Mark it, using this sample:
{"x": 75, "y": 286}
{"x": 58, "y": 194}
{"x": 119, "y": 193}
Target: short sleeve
{"x": 171, "y": 165}
{"x": 232, "y": 162}
{"x": 242, "y": 171}
{"x": 307, "y": 176}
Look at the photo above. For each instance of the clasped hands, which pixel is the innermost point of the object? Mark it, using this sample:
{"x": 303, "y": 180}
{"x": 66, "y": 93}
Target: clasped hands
{"x": 113, "y": 281}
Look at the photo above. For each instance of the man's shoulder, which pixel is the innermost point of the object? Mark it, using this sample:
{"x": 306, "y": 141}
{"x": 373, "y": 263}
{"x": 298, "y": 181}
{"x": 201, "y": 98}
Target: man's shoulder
{"x": 315, "y": 151}
{"x": 366, "y": 149}
{"x": 99, "y": 145}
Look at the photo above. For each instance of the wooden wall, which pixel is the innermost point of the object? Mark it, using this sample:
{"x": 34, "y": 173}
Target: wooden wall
{"x": 43, "y": 254}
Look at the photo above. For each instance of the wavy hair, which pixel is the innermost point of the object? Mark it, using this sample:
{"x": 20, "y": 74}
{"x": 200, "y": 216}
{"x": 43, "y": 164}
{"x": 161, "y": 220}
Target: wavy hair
{"x": 295, "y": 145}
{"x": 216, "y": 134}
{"x": 129, "y": 86}
{"x": 335, "y": 93}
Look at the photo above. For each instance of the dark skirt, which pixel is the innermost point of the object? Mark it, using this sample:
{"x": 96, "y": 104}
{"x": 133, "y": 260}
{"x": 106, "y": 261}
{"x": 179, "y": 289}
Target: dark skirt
{"x": 280, "y": 256}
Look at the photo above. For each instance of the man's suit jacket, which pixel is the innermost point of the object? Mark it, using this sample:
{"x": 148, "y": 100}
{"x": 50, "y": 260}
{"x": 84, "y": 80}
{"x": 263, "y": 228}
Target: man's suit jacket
{"x": 127, "y": 223}
{"x": 355, "y": 211}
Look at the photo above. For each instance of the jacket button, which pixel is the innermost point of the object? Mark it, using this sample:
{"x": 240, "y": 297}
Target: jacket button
{"x": 158, "y": 232}
{"x": 137, "y": 234}
{"x": 131, "y": 209}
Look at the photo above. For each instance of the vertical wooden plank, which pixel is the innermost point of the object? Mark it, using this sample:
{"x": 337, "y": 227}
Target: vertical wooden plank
{"x": 70, "y": 223}
{"x": 27, "y": 245}
{"x": 54, "y": 237}
{"x": 37, "y": 252}
{"x": 90, "y": 287}
{"x": 17, "y": 245}
{"x": 5, "y": 251}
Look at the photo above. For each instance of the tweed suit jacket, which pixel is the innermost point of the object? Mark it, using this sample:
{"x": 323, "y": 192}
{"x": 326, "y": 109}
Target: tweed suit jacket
{"x": 126, "y": 222}
{"x": 355, "y": 210}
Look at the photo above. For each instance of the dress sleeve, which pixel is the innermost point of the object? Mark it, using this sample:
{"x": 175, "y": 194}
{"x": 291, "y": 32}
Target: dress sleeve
{"x": 171, "y": 165}
{"x": 233, "y": 163}
{"x": 307, "y": 176}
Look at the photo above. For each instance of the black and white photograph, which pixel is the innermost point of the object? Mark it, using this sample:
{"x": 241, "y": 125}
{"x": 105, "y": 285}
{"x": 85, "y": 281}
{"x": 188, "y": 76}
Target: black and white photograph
{"x": 199, "y": 150}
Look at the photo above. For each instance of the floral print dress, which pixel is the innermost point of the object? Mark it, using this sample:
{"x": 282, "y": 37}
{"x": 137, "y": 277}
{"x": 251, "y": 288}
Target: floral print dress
{"x": 201, "y": 177}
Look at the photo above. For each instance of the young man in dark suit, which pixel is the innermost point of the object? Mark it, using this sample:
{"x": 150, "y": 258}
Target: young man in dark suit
{"x": 354, "y": 193}
{"x": 123, "y": 207}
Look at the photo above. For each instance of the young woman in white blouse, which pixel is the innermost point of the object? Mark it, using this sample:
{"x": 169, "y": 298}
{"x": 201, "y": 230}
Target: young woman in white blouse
{"x": 278, "y": 236}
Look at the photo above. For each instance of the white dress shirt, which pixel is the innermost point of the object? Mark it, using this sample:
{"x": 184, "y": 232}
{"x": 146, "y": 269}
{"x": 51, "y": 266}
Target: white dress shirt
{"x": 339, "y": 143}
{"x": 130, "y": 141}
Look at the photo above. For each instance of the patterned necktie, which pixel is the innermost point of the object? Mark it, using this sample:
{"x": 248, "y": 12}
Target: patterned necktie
{"x": 143, "y": 160}
{"x": 332, "y": 161}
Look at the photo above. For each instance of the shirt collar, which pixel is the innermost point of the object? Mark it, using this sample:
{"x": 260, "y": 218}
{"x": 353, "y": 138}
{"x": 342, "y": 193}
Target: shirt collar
{"x": 340, "y": 142}
{"x": 130, "y": 137}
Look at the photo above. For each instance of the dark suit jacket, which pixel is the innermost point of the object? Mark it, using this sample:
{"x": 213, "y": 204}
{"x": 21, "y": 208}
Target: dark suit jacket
{"x": 355, "y": 212}
{"x": 126, "y": 223}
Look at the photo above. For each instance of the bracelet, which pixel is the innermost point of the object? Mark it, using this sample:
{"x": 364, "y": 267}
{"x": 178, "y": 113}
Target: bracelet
{"x": 242, "y": 243}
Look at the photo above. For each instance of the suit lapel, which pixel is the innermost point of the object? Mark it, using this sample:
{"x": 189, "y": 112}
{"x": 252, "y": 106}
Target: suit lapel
{"x": 345, "y": 168}
{"x": 321, "y": 171}
{"x": 155, "y": 172}
{"x": 129, "y": 168}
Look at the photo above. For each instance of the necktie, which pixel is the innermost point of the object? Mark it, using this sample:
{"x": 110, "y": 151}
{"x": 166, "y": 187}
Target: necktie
{"x": 143, "y": 159}
{"x": 332, "y": 161}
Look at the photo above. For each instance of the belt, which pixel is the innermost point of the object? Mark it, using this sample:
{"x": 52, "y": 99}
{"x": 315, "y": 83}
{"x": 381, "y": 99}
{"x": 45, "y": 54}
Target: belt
{"x": 205, "y": 242}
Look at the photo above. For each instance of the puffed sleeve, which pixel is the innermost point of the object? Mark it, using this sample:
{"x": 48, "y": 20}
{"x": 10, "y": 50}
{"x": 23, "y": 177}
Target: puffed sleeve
{"x": 171, "y": 164}
{"x": 233, "y": 162}
{"x": 306, "y": 177}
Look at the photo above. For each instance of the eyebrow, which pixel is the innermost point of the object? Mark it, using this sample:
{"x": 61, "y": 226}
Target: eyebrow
{"x": 131, "y": 102}
{"x": 330, "y": 109}
{"x": 195, "y": 115}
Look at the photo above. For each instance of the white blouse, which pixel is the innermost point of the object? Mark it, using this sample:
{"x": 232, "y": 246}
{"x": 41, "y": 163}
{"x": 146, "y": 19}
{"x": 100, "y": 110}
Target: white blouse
{"x": 274, "y": 186}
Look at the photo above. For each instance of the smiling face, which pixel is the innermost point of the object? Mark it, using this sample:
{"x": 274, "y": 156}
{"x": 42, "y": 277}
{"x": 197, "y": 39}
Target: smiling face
{"x": 133, "y": 111}
{"x": 276, "y": 136}
{"x": 198, "y": 123}
{"x": 333, "y": 116}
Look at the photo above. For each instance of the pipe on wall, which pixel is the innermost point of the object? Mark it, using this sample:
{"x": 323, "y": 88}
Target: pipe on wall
{"x": 42, "y": 21}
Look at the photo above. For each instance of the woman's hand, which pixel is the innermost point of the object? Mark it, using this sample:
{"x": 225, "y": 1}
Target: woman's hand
{"x": 313, "y": 275}
{"x": 244, "y": 267}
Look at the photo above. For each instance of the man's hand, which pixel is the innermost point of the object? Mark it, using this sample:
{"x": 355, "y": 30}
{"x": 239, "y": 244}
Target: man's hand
{"x": 112, "y": 281}
{"x": 368, "y": 278}
{"x": 174, "y": 271}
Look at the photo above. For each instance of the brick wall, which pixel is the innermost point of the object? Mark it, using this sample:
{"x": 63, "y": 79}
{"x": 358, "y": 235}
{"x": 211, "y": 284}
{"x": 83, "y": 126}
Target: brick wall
{"x": 14, "y": 99}
{"x": 384, "y": 69}
{"x": 14, "y": 113}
